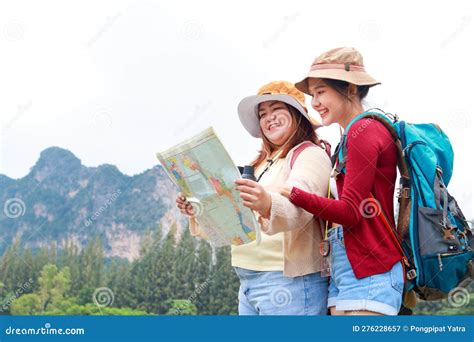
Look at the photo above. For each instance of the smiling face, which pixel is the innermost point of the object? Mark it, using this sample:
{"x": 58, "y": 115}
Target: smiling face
{"x": 328, "y": 102}
{"x": 276, "y": 121}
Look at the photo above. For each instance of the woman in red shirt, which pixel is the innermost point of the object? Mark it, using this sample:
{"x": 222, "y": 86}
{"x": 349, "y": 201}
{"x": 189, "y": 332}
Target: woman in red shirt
{"x": 366, "y": 270}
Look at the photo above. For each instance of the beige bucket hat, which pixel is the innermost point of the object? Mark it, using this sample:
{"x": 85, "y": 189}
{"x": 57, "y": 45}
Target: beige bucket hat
{"x": 344, "y": 64}
{"x": 274, "y": 91}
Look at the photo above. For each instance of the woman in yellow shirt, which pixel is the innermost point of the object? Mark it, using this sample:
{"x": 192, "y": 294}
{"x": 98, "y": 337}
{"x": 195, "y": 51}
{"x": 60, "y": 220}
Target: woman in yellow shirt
{"x": 281, "y": 275}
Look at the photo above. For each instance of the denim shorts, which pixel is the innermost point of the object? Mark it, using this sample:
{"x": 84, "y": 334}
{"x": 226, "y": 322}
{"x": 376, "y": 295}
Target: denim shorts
{"x": 272, "y": 293}
{"x": 381, "y": 293}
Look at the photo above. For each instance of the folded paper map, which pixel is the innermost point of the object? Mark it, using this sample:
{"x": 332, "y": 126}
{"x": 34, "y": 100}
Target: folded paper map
{"x": 204, "y": 172}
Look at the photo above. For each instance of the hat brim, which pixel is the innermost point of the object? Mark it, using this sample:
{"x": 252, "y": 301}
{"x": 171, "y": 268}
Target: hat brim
{"x": 248, "y": 111}
{"x": 360, "y": 78}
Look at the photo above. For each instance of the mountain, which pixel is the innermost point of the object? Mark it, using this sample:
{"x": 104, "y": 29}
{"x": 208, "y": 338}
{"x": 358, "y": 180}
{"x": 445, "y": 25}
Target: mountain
{"x": 61, "y": 200}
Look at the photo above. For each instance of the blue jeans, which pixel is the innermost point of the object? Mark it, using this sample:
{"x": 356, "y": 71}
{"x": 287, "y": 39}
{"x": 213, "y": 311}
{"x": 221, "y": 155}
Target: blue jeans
{"x": 271, "y": 293}
{"x": 381, "y": 293}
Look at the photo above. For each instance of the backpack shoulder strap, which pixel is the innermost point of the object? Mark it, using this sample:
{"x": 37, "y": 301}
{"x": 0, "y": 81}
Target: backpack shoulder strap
{"x": 409, "y": 271}
{"x": 326, "y": 146}
{"x": 385, "y": 120}
{"x": 298, "y": 151}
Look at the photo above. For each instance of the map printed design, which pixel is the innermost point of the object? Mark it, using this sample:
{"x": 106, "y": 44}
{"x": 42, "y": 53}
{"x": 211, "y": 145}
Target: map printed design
{"x": 204, "y": 172}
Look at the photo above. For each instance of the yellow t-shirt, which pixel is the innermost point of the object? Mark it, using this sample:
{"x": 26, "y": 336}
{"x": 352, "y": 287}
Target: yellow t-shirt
{"x": 268, "y": 255}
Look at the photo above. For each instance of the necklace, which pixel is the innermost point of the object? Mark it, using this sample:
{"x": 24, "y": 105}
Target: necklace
{"x": 270, "y": 162}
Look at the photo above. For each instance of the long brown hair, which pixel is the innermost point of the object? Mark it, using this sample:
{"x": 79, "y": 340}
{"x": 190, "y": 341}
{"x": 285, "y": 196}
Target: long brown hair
{"x": 304, "y": 132}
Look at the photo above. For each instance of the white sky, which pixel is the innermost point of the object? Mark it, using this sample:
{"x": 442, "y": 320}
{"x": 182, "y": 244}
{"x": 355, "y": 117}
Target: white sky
{"x": 117, "y": 81}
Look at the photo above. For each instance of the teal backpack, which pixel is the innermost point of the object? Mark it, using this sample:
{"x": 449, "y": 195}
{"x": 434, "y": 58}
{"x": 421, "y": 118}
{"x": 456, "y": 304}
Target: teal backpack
{"x": 432, "y": 232}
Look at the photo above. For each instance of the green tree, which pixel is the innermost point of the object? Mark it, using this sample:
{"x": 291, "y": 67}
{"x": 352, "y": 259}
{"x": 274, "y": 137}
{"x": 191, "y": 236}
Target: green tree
{"x": 92, "y": 263}
{"x": 11, "y": 266}
{"x": 202, "y": 277}
{"x": 71, "y": 258}
{"x": 182, "y": 285}
{"x": 122, "y": 285}
{"x": 181, "y": 307}
{"x": 160, "y": 268}
{"x": 224, "y": 285}
{"x": 53, "y": 285}
{"x": 143, "y": 282}
{"x": 29, "y": 304}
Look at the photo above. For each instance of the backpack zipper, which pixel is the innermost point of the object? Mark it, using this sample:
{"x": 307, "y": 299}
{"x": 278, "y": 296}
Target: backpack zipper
{"x": 440, "y": 262}
{"x": 441, "y": 255}
{"x": 406, "y": 153}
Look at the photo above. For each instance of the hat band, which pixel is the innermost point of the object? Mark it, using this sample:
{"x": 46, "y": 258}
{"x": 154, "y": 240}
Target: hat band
{"x": 347, "y": 67}
{"x": 275, "y": 93}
